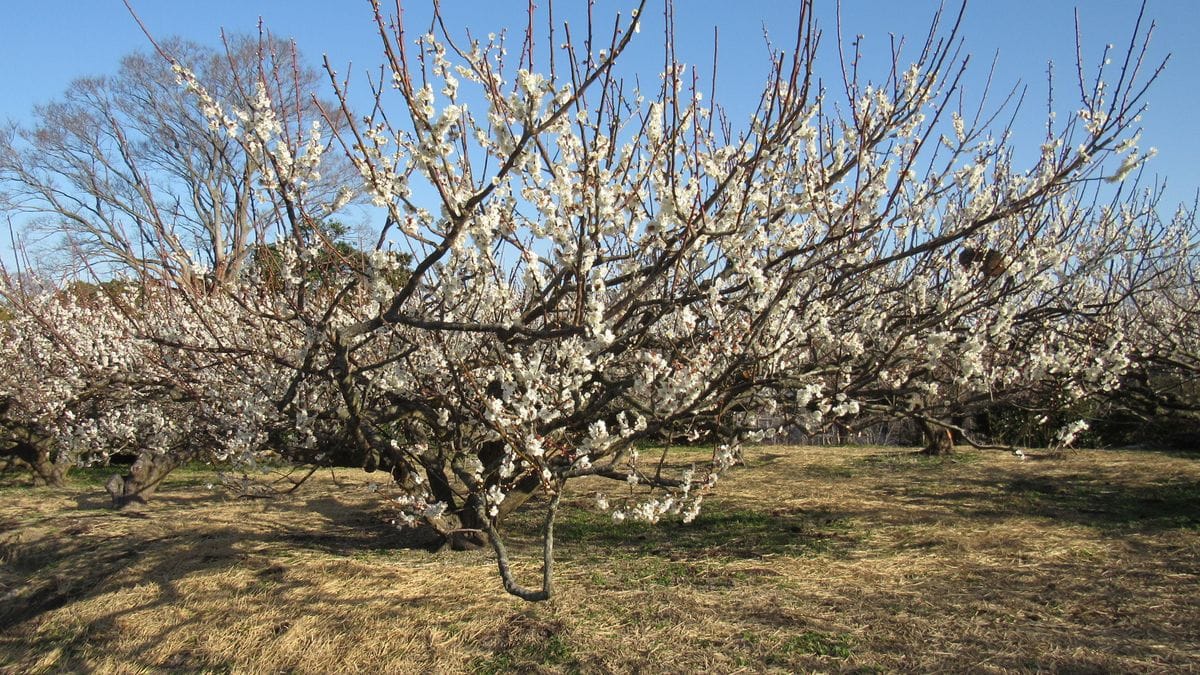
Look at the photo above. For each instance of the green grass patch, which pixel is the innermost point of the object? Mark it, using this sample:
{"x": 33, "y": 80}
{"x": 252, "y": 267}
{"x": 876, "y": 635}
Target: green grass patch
{"x": 916, "y": 460}
{"x": 525, "y": 644}
{"x": 814, "y": 643}
{"x": 1107, "y": 505}
{"x": 831, "y": 471}
{"x": 191, "y": 474}
{"x": 718, "y": 532}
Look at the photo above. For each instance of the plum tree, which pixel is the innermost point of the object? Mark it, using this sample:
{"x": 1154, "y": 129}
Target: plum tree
{"x": 590, "y": 264}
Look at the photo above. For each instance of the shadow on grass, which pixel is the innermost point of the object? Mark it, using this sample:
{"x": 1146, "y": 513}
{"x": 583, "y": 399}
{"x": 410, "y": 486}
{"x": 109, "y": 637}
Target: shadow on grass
{"x": 101, "y": 501}
{"x": 71, "y": 564}
{"x": 81, "y": 558}
{"x": 916, "y": 459}
{"x": 719, "y": 532}
{"x": 83, "y": 549}
{"x": 350, "y": 531}
{"x": 526, "y": 643}
{"x": 1106, "y": 503}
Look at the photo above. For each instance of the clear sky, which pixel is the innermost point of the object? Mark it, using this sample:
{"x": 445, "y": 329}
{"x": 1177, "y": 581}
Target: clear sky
{"x": 44, "y": 45}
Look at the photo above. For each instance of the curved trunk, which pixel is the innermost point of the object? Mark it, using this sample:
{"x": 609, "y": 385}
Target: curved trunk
{"x": 49, "y": 468}
{"x": 938, "y": 439}
{"x": 143, "y": 479}
{"x": 465, "y": 530}
{"x": 461, "y": 526}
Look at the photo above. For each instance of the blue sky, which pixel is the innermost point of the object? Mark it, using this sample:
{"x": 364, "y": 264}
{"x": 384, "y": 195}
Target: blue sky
{"x": 44, "y": 45}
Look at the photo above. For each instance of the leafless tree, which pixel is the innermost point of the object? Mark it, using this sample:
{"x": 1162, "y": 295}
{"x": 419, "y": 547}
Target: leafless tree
{"x": 127, "y": 174}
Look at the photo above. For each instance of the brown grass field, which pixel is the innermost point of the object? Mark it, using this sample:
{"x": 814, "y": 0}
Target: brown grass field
{"x": 808, "y": 559}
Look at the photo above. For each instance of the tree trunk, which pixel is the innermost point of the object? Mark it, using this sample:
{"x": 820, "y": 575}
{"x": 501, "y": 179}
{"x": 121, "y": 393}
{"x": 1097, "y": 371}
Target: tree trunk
{"x": 938, "y": 439}
{"x": 464, "y": 531}
{"x": 462, "y": 527}
{"x": 143, "y": 479}
{"x": 49, "y": 467}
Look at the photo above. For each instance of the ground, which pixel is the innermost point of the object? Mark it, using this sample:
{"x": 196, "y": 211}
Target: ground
{"x": 807, "y": 559}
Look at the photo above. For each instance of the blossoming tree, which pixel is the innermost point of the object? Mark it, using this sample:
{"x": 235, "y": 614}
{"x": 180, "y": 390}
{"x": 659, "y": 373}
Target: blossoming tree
{"x": 595, "y": 265}
{"x": 1159, "y": 393}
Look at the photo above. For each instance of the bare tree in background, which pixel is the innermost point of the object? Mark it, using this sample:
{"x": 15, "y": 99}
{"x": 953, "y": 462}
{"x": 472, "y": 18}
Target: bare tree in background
{"x": 127, "y": 174}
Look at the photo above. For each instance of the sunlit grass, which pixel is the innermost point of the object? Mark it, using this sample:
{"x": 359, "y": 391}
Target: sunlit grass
{"x": 846, "y": 559}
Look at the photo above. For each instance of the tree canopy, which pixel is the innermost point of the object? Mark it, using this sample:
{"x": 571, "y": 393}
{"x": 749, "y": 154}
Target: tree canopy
{"x": 571, "y": 266}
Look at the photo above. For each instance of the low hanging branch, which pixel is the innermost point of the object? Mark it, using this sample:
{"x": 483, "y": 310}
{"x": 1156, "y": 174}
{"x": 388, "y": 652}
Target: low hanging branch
{"x": 574, "y": 266}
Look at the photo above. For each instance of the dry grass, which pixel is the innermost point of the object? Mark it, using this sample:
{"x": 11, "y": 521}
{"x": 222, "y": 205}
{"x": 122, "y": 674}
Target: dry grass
{"x": 857, "y": 560}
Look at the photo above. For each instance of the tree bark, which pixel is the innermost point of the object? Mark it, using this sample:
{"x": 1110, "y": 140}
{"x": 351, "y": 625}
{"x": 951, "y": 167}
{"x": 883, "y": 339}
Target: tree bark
{"x": 143, "y": 479}
{"x": 465, "y": 531}
{"x": 938, "y": 439}
{"x": 49, "y": 468}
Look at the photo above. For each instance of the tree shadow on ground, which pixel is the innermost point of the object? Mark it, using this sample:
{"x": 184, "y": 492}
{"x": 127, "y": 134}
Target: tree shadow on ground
{"x": 1104, "y": 502}
{"x": 81, "y": 556}
{"x": 101, "y": 501}
{"x": 87, "y": 555}
{"x": 146, "y": 554}
{"x": 349, "y": 530}
{"x": 721, "y": 531}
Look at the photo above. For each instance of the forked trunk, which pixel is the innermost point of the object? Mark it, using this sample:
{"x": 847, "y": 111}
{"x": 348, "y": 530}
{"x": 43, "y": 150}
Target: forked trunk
{"x": 49, "y": 468}
{"x": 143, "y": 479}
{"x": 939, "y": 440}
{"x": 464, "y": 530}
{"x": 461, "y": 527}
